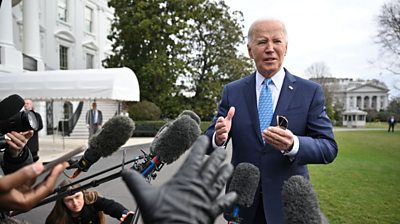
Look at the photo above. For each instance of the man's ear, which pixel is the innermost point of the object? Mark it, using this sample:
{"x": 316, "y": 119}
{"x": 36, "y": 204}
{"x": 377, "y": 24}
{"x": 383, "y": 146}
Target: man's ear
{"x": 250, "y": 52}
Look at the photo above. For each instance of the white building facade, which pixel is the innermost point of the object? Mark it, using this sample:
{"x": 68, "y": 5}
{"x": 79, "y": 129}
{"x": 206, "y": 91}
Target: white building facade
{"x": 44, "y": 35}
{"x": 356, "y": 97}
{"x": 54, "y": 34}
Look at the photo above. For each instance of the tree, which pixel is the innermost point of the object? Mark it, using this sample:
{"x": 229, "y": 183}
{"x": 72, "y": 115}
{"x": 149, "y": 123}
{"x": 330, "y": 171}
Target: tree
{"x": 388, "y": 36}
{"x": 394, "y": 106}
{"x": 212, "y": 40}
{"x": 145, "y": 35}
{"x": 320, "y": 72}
{"x": 182, "y": 51}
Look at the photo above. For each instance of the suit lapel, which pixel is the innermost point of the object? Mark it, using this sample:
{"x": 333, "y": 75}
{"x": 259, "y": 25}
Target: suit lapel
{"x": 249, "y": 91}
{"x": 285, "y": 97}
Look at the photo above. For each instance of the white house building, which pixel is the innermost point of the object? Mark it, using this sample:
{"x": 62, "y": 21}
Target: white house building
{"x": 356, "y": 97}
{"x": 55, "y": 35}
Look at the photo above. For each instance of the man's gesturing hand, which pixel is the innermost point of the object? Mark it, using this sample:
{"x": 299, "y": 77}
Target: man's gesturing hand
{"x": 223, "y": 126}
{"x": 191, "y": 196}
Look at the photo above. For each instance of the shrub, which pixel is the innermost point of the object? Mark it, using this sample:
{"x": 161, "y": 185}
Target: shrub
{"x": 144, "y": 111}
{"x": 147, "y": 128}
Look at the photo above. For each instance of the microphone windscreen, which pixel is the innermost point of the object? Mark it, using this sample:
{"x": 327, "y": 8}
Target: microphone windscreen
{"x": 245, "y": 180}
{"x": 300, "y": 204}
{"x": 114, "y": 133}
{"x": 10, "y": 106}
{"x": 174, "y": 138}
{"x": 192, "y": 114}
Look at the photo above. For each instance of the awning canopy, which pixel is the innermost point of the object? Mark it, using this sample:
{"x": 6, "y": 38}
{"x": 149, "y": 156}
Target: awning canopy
{"x": 110, "y": 83}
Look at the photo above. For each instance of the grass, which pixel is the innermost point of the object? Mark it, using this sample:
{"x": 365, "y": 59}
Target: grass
{"x": 376, "y": 125}
{"x": 363, "y": 184}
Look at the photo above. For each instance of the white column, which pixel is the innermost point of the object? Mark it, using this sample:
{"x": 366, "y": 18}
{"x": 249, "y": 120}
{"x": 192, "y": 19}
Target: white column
{"x": 362, "y": 103}
{"x": 32, "y": 31}
{"x": 10, "y": 57}
{"x": 370, "y": 102}
{"x": 378, "y": 103}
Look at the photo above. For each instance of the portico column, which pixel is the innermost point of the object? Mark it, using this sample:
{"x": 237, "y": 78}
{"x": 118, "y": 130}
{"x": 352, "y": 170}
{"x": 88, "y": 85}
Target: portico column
{"x": 32, "y": 31}
{"x": 370, "y": 102}
{"x": 378, "y": 103}
{"x": 362, "y": 103}
{"x": 10, "y": 57}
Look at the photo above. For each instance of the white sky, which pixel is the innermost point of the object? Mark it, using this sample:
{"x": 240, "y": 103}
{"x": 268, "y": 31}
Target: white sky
{"x": 337, "y": 32}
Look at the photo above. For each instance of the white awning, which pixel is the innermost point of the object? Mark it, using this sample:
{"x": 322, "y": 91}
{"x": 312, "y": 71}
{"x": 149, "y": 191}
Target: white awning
{"x": 110, "y": 83}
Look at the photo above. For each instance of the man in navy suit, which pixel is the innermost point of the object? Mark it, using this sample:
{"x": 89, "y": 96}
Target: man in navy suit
{"x": 279, "y": 153}
{"x": 94, "y": 120}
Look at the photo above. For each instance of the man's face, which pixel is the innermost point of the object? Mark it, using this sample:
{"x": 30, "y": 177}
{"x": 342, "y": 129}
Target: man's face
{"x": 28, "y": 105}
{"x": 268, "y": 47}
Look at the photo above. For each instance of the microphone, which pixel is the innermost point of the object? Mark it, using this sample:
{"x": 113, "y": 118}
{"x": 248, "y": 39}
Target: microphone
{"x": 10, "y": 106}
{"x": 300, "y": 203}
{"x": 112, "y": 136}
{"x": 172, "y": 140}
{"x": 245, "y": 180}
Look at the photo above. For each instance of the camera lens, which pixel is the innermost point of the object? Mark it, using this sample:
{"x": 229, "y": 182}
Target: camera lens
{"x": 32, "y": 121}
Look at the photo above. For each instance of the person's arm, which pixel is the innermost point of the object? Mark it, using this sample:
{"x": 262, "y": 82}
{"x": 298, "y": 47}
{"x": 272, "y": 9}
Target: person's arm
{"x": 39, "y": 120}
{"x": 319, "y": 145}
{"x": 218, "y": 131}
{"x": 88, "y": 114}
{"x": 110, "y": 207}
{"x": 16, "y": 191}
{"x": 100, "y": 118}
{"x": 17, "y": 154}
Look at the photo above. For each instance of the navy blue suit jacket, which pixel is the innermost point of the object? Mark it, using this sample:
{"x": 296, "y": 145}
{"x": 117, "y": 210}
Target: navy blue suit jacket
{"x": 302, "y": 103}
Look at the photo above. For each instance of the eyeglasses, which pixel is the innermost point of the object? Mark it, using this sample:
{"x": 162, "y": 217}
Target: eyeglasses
{"x": 282, "y": 122}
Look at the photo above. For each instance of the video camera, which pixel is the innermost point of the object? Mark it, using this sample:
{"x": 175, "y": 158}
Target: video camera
{"x": 12, "y": 119}
{"x": 20, "y": 122}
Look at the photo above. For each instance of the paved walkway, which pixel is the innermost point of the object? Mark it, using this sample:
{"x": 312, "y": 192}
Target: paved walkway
{"x": 52, "y": 147}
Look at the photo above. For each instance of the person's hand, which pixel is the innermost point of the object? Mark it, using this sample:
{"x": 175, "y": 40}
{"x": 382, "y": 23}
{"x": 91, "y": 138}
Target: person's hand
{"x": 191, "y": 196}
{"x": 279, "y": 138}
{"x": 127, "y": 218}
{"x": 17, "y": 141}
{"x": 17, "y": 192}
{"x": 223, "y": 126}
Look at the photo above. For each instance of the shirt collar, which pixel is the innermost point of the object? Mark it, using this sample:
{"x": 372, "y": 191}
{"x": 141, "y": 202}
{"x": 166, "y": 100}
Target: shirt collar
{"x": 277, "y": 79}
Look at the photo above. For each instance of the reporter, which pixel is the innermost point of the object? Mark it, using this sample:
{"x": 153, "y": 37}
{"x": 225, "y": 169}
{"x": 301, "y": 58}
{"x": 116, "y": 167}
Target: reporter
{"x": 84, "y": 207}
{"x": 191, "y": 196}
{"x": 16, "y": 191}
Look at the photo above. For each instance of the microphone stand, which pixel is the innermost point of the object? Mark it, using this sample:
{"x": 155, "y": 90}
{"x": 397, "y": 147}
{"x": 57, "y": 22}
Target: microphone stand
{"x": 58, "y": 189}
{"x": 62, "y": 191}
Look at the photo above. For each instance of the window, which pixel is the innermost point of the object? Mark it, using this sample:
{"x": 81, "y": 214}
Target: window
{"x": 109, "y": 26}
{"x": 89, "y": 60}
{"x": 63, "y": 57}
{"x": 62, "y": 10}
{"x": 88, "y": 19}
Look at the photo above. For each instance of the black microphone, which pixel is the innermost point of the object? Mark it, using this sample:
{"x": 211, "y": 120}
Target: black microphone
{"x": 245, "y": 180}
{"x": 112, "y": 136}
{"x": 10, "y": 106}
{"x": 300, "y": 203}
{"x": 172, "y": 140}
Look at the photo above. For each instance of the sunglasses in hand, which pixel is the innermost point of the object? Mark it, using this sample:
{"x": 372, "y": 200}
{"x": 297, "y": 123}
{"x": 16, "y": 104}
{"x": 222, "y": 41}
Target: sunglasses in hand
{"x": 282, "y": 122}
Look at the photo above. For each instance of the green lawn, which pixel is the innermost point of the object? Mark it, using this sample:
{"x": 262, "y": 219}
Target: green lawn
{"x": 363, "y": 184}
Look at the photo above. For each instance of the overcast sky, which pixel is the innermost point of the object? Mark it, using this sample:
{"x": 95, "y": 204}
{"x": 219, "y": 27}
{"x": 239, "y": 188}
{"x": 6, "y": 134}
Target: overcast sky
{"x": 337, "y": 32}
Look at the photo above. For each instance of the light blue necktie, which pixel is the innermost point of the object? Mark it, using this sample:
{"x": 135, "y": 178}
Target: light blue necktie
{"x": 265, "y": 105}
